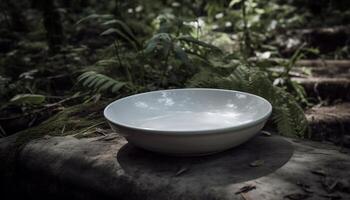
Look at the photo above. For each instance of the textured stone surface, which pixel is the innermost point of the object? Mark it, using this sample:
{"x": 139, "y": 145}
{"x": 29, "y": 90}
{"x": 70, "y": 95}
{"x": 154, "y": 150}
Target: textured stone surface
{"x": 330, "y": 122}
{"x": 328, "y": 79}
{"x": 108, "y": 167}
{"x": 324, "y": 63}
{"x": 326, "y": 88}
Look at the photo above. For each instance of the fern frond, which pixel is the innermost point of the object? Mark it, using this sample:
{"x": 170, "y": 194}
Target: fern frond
{"x": 204, "y": 78}
{"x": 283, "y": 121}
{"x": 301, "y": 125}
{"x": 121, "y": 35}
{"x": 287, "y": 115}
{"x": 99, "y": 82}
{"x": 260, "y": 85}
{"x": 123, "y": 26}
{"x": 191, "y": 40}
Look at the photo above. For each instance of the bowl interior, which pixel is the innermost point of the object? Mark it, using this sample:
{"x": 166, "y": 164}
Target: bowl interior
{"x": 188, "y": 110}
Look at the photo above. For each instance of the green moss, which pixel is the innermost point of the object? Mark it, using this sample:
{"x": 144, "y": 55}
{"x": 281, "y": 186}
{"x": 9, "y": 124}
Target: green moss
{"x": 80, "y": 121}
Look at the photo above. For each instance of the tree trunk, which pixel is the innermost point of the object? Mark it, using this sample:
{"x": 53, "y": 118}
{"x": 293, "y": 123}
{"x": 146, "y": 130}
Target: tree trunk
{"x": 52, "y": 24}
{"x": 14, "y": 11}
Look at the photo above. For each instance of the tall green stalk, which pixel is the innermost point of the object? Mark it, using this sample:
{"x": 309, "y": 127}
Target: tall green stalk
{"x": 126, "y": 69}
{"x": 247, "y": 48}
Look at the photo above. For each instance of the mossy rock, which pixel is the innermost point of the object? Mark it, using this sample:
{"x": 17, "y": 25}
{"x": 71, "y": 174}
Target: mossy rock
{"x": 79, "y": 120}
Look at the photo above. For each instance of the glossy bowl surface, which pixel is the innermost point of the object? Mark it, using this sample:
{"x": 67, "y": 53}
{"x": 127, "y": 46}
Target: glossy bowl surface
{"x": 193, "y": 121}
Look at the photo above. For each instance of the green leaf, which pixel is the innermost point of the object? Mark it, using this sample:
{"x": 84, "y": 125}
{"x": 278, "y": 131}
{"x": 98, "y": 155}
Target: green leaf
{"x": 94, "y": 16}
{"x": 106, "y": 62}
{"x": 109, "y": 22}
{"x": 283, "y": 121}
{"x": 117, "y": 87}
{"x": 93, "y": 82}
{"x": 221, "y": 64}
{"x": 300, "y": 123}
{"x": 88, "y": 80}
{"x": 150, "y": 47}
{"x": 298, "y": 54}
{"x": 181, "y": 54}
{"x": 99, "y": 82}
{"x": 123, "y": 26}
{"x": 119, "y": 33}
{"x": 234, "y": 2}
{"x": 34, "y": 99}
{"x": 190, "y": 39}
{"x": 106, "y": 86}
{"x": 166, "y": 48}
{"x": 111, "y": 31}
{"x": 161, "y": 42}
{"x": 85, "y": 75}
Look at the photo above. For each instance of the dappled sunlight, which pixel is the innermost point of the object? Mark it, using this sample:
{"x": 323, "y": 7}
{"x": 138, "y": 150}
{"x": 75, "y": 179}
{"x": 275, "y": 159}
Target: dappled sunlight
{"x": 82, "y": 81}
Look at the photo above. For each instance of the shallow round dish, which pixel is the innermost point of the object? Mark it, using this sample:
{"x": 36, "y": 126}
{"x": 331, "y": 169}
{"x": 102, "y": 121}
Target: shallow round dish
{"x": 188, "y": 121}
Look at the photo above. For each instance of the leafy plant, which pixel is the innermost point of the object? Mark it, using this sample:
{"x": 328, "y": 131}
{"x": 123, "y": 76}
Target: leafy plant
{"x": 170, "y": 54}
{"x": 115, "y": 27}
{"x": 30, "y": 99}
{"x": 99, "y": 82}
{"x": 287, "y": 114}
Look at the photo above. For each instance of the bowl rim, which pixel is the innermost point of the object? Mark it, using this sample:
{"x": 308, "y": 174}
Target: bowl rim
{"x": 261, "y": 119}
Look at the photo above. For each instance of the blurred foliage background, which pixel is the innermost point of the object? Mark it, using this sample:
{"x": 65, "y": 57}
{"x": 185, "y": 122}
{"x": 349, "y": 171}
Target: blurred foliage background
{"x": 60, "y": 53}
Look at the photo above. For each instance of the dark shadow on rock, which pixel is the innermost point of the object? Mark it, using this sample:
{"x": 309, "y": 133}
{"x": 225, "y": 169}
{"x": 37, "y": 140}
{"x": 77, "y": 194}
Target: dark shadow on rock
{"x": 232, "y": 166}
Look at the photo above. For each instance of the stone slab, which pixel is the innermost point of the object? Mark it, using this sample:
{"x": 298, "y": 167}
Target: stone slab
{"x": 326, "y": 88}
{"x": 331, "y": 123}
{"x": 109, "y": 168}
{"x": 324, "y": 63}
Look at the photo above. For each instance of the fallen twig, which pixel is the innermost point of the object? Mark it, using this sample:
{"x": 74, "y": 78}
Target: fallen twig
{"x": 246, "y": 189}
{"x": 181, "y": 171}
{"x": 2, "y": 132}
{"x": 88, "y": 128}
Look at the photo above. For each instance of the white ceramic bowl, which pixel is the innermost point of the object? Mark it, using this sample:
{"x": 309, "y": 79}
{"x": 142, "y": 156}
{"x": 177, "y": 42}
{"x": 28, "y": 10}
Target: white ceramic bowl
{"x": 188, "y": 121}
